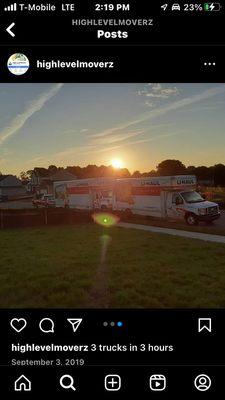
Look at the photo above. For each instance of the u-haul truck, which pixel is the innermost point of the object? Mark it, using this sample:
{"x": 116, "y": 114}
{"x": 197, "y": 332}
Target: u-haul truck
{"x": 165, "y": 197}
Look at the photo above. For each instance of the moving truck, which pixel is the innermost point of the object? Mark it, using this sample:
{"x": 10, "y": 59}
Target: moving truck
{"x": 165, "y": 197}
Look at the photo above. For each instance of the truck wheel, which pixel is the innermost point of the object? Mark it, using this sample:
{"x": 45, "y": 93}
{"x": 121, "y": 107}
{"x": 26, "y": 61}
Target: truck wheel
{"x": 191, "y": 219}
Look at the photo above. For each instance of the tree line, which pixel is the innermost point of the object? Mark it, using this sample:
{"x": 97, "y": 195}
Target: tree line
{"x": 214, "y": 175}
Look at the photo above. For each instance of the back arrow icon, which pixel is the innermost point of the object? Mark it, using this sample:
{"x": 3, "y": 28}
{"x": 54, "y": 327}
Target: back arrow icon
{"x": 9, "y": 29}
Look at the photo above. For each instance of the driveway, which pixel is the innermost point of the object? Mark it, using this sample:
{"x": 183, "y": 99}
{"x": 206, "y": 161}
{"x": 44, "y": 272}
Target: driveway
{"x": 220, "y": 223}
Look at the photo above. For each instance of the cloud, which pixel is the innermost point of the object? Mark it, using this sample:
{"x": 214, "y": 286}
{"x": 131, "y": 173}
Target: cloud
{"x": 149, "y": 103}
{"x": 83, "y": 130}
{"x": 108, "y": 139}
{"x": 35, "y": 160}
{"x": 80, "y": 149}
{"x": 111, "y": 137}
{"x": 153, "y": 138}
{"x": 208, "y": 107}
{"x": 157, "y": 91}
{"x": 71, "y": 152}
{"x": 159, "y": 111}
{"x": 95, "y": 149}
{"x": 36, "y": 105}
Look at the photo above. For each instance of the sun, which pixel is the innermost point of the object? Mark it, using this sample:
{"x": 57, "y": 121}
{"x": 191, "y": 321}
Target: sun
{"x": 117, "y": 163}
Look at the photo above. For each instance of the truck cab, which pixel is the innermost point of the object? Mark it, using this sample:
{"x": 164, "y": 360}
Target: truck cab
{"x": 44, "y": 200}
{"x": 191, "y": 206}
{"x": 103, "y": 199}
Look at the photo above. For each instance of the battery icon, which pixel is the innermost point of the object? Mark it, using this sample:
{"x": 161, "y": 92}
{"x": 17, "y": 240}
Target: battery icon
{"x": 212, "y": 7}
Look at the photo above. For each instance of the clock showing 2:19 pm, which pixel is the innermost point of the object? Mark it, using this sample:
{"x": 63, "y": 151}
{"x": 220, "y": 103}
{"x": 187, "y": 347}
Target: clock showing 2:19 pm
{"x": 112, "y": 7}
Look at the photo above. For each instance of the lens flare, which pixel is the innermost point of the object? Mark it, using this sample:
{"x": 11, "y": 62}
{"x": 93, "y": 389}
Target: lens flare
{"x": 105, "y": 219}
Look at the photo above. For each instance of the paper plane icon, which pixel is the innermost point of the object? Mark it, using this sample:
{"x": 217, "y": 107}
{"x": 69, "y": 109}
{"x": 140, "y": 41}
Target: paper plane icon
{"x": 75, "y": 322}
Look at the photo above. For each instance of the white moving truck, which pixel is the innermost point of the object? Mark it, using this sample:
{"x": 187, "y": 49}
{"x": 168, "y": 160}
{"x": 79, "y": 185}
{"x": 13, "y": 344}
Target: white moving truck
{"x": 165, "y": 197}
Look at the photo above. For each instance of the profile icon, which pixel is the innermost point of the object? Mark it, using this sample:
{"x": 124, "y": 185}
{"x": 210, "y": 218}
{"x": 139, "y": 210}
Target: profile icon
{"x": 202, "y": 383}
{"x": 18, "y": 64}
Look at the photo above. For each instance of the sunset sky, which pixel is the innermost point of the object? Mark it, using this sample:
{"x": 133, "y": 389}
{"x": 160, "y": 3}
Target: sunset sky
{"x": 140, "y": 124}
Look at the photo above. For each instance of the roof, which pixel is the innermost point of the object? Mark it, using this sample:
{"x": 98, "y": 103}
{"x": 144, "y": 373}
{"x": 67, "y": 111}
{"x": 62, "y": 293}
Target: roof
{"x": 9, "y": 181}
{"x": 2, "y": 177}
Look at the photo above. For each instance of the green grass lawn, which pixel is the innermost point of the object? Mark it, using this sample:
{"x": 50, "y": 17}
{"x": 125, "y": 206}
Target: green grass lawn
{"x": 60, "y": 267}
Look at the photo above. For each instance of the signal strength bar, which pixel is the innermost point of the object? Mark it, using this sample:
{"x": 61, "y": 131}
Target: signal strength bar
{"x": 12, "y": 7}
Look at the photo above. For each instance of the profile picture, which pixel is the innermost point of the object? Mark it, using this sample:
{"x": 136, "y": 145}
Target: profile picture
{"x": 18, "y": 64}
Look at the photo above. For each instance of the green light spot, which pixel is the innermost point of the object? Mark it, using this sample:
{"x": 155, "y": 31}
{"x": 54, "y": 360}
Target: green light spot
{"x": 104, "y": 219}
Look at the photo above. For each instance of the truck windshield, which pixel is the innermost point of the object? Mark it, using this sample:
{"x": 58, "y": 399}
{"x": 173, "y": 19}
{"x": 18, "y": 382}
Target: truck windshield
{"x": 192, "y": 197}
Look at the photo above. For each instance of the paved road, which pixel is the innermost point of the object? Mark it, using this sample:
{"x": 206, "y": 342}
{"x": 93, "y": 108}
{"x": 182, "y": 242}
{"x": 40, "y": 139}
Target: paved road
{"x": 175, "y": 232}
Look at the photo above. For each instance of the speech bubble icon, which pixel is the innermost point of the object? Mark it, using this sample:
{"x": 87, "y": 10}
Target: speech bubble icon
{"x": 46, "y": 325}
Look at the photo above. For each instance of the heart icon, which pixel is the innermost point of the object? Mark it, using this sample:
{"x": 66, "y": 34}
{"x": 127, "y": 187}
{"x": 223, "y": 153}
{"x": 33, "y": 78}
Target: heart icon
{"x": 18, "y": 324}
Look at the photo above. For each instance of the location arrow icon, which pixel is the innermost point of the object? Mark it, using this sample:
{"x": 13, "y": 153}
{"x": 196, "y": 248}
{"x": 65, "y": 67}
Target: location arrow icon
{"x": 10, "y": 32}
{"x": 75, "y": 322}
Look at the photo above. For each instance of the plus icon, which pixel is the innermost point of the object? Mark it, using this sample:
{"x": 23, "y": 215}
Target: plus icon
{"x": 112, "y": 383}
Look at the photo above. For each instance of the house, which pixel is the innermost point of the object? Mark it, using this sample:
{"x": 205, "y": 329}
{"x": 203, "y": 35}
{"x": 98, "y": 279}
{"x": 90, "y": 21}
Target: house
{"x": 42, "y": 182}
{"x": 22, "y": 384}
{"x": 11, "y": 187}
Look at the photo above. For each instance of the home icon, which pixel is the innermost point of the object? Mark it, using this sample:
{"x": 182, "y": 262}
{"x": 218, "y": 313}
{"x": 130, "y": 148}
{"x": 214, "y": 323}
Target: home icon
{"x": 22, "y": 384}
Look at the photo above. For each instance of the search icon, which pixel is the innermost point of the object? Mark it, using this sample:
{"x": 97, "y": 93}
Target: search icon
{"x": 67, "y": 382}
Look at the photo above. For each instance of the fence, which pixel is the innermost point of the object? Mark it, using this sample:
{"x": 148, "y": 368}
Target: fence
{"x": 40, "y": 217}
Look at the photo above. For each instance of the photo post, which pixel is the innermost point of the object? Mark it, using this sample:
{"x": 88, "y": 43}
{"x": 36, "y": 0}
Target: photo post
{"x": 112, "y": 199}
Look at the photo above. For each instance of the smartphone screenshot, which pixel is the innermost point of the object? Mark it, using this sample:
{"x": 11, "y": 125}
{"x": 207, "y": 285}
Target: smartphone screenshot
{"x": 112, "y": 199}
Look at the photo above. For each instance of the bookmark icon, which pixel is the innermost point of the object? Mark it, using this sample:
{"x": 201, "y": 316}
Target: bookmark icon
{"x": 204, "y": 324}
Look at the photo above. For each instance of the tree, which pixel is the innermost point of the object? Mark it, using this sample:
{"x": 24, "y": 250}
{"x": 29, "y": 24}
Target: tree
{"x": 136, "y": 174}
{"x": 203, "y": 173}
{"x": 191, "y": 170}
{"x": 171, "y": 167}
{"x": 219, "y": 175}
{"x": 29, "y": 173}
{"x": 24, "y": 177}
{"x": 75, "y": 170}
{"x": 52, "y": 169}
{"x": 41, "y": 171}
{"x": 150, "y": 173}
{"x": 123, "y": 173}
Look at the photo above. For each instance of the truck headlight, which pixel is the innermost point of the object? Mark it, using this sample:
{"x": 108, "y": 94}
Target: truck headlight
{"x": 202, "y": 211}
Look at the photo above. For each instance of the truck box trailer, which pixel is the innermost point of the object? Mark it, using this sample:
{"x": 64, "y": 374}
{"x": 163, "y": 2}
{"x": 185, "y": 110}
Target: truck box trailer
{"x": 164, "y": 197}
